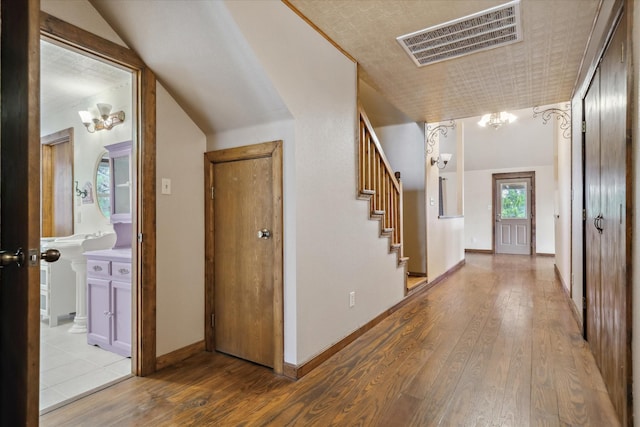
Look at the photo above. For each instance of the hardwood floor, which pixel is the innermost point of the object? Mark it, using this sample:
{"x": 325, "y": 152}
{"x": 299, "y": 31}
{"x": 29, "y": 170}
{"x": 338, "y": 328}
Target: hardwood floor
{"x": 494, "y": 344}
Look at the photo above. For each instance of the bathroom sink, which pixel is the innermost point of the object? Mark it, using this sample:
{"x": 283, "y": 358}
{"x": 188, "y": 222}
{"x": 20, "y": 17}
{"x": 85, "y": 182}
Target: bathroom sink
{"x": 72, "y": 247}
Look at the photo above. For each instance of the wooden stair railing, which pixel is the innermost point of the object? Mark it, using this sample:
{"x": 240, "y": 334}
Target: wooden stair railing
{"x": 383, "y": 188}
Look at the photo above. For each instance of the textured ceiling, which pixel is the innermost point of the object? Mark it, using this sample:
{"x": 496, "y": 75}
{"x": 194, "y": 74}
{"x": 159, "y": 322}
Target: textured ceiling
{"x": 68, "y": 77}
{"x": 540, "y": 70}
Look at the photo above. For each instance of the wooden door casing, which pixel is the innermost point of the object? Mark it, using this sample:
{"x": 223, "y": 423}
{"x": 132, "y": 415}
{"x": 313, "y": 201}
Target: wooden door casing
{"x": 19, "y": 210}
{"x": 273, "y": 152}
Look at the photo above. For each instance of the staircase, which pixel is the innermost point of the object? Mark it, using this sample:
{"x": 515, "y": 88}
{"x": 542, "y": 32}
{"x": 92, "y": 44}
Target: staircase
{"x": 381, "y": 187}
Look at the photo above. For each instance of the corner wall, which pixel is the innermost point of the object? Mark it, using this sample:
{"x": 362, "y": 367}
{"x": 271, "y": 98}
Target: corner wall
{"x": 179, "y": 227}
{"x": 337, "y": 248}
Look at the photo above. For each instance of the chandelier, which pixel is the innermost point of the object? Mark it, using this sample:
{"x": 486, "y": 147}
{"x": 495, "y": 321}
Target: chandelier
{"x": 495, "y": 120}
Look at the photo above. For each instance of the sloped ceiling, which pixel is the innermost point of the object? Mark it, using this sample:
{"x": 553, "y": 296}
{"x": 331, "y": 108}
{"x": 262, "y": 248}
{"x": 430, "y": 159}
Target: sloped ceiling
{"x": 199, "y": 55}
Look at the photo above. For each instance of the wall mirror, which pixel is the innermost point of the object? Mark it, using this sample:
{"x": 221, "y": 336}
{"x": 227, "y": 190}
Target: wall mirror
{"x": 102, "y": 184}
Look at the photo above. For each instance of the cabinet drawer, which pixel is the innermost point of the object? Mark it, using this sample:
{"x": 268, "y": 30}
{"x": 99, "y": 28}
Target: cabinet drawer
{"x": 96, "y": 268}
{"x": 121, "y": 271}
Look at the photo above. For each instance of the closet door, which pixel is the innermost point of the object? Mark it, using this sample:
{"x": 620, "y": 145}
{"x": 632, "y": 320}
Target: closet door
{"x": 607, "y": 250}
{"x": 592, "y": 206}
{"x": 615, "y": 365}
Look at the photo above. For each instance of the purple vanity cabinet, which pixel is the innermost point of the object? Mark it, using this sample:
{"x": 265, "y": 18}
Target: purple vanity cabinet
{"x": 109, "y": 300}
{"x": 109, "y": 272}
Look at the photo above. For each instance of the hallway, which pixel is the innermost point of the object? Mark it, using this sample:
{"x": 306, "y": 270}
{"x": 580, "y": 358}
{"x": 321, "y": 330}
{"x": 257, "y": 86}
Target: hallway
{"x": 494, "y": 344}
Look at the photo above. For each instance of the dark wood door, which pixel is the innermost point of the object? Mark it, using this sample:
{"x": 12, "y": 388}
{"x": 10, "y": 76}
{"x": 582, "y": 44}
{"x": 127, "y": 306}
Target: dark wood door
{"x": 244, "y": 323}
{"x": 19, "y": 210}
{"x": 613, "y": 170}
{"x": 592, "y": 206}
{"x": 607, "y": 255}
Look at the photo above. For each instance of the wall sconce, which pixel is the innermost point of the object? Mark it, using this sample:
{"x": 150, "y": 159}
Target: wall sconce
{"x": 81, "y": 193}
{"x": 495, "y": 120}
{"x": 104, "y": 119}
{"x": 443, "y": 157}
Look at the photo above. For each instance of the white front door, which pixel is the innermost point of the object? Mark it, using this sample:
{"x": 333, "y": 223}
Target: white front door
{"x": 513, "y": 216}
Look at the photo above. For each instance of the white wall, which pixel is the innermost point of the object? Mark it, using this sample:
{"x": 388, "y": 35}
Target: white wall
{"x": 179, "y": 226}
{"x": 180, "y": 145}
{"x": 525, "y": 145}
{"x": 337, "y": 249}
{"x": 478, "y": 218}
{"x": 445, "y": 236}
{"x": 88, "y": 148}
{"x": 403, "y": 145}
{"x": 562, "y": 211}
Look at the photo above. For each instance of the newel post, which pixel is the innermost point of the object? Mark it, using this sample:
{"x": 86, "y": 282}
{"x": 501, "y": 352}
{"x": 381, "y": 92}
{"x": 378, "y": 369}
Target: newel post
{"x": 400, "y": 215}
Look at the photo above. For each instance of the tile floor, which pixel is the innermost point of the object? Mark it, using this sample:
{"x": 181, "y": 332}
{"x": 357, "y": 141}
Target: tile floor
{"x": 70, "y": 368}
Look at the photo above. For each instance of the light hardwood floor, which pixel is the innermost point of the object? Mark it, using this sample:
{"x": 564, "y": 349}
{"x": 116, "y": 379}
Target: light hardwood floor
{"x": 494, "y": 344}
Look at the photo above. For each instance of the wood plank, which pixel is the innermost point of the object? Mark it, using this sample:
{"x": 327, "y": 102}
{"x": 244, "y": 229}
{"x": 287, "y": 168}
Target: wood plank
{"x": 488, "y": 347}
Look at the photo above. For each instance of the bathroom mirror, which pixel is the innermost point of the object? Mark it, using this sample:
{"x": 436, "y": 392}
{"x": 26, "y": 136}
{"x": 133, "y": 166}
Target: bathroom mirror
{"x": 102, "y": 184}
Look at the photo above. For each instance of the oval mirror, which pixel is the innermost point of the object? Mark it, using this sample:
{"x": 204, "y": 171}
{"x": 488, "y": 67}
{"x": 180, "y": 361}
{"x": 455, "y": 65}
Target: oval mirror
{"x": 102, "y": 185}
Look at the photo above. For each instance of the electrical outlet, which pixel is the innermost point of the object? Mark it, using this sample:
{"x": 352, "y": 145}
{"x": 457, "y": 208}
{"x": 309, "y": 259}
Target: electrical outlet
{"x": 352, "y": 299}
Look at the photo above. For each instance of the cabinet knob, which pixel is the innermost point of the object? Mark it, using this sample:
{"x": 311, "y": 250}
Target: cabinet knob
{"x": 97, "y": 268}
{"x": 108, "y": 313}
{"x": 123, "y": 271}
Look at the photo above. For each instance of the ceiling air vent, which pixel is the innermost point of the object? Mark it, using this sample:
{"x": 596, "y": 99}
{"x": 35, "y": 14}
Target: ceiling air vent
{"x": 495, "y": 27}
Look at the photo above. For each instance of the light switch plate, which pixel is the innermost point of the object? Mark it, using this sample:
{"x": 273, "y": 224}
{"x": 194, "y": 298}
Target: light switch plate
{"x": 166, "y": 186}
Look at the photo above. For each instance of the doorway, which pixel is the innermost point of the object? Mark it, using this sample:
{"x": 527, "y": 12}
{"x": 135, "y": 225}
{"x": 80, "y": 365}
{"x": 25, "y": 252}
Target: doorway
{"x": 71, "y": 364}
{"x": 514, "y": 213}
{"x": 243, "y": 253}
{"x": 56, "y": 159}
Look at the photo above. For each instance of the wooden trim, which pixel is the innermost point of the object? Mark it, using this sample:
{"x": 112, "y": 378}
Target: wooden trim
{"x": 318, "y": 30}
{"x": 274, "y": 150}
{"x": 65, "y": 34}
{"x": 179, "y": 355}
{"x": 414, "y": 274}
{"x": 246, "y": 152}
{"x": 545, "y": 254}
{"x": 297, "y": 372}
{"x": 54, "y": 29}
{"x": 375, "y": 140}
{"x": 479, "y": 251}
{"x": 57, "y": 137}
{"x": 514, "y": 175}
{"x": 145, "y": 361}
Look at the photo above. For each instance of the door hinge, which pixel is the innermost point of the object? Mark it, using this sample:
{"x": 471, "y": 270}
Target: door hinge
{"x": 213, "y": 193}
{"x": 140, "y": 238}
{"x": 213, "y": 320}
{"x": 584, "y": 302}
{"x": 584, "y": 126}
{"x": 584, "y": 214}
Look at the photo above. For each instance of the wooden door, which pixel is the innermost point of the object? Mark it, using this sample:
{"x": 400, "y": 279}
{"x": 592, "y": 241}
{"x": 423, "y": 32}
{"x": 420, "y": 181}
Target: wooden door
{"x": 245, "y": 216}
{"x": 607, "y": 254}
{"x": 613, "y": 167}
{"x": 513, "y": 196}
{"x": 19, "y": 210}
{"x": 592, "y": 222}
{"x": 57, "y": 184}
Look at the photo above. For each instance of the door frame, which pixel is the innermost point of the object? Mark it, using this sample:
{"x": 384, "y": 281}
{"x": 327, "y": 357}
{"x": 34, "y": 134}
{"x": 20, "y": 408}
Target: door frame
{"x": 268, "y": 149}
{"x": 514, "y": 175}
{"x": 143, "y": 348}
